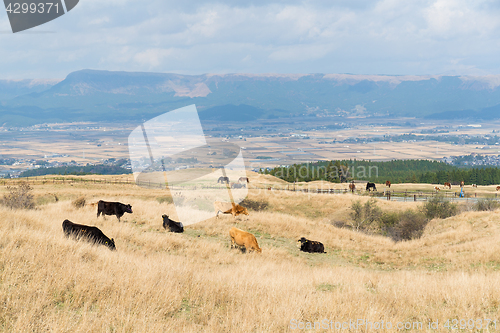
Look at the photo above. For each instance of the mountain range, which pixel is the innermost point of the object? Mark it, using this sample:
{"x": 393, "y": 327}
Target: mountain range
{"x": 91, "y": 95}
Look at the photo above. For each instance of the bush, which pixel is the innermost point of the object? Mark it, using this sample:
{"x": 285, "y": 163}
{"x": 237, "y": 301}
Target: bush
{"x": 411, "y": 225}
{"x": 399, "y": 226}
{"x": 486, "y": 204}
{"x": 439, "y": 207}
{"x": 19, "y": 197}
{"x": 364, "y": 215}
{"x": 255, "y": 205}
{"x": 79, "y": 203}
{"x": 168, "y": 200}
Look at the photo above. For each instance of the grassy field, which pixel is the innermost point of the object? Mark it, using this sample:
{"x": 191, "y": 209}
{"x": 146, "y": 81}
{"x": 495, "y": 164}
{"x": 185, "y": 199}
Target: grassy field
{"x": 157, "y": 281}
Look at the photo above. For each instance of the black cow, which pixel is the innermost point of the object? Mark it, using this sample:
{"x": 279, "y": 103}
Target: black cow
{"x": 223, "y": 180}
{"x": 92, "y": 234}
{"x": 370, "y": 186}
{"x": 113, "y": 208}
{"x": 172, "y": 225}
{"x": 311, "y": 246}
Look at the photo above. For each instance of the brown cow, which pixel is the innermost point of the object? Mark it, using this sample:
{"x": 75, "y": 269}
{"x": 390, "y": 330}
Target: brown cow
{"x": 229, "y": 208}
{"x": 447, "y": 185}
{"x": 462, "y": 184}
{"x": 474, "y": 185}
{"x": 498, "y": 188}
{"x": 388, "y": 183}
{"x": 245, "y": 239}
{"x": 437, "y": 188}
{"x": 352, "y": 187}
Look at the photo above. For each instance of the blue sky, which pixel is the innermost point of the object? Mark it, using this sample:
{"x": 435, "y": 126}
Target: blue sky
{"x": 194, "y": 37}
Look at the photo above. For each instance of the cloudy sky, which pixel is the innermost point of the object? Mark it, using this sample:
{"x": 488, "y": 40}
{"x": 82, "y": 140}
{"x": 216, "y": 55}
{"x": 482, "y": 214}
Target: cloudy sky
{"x": 260, "y": 36}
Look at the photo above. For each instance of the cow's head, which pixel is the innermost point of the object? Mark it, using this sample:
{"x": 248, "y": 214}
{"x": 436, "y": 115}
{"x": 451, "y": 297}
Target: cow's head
{"x": 128, "y": 209}
{"x": 300, "y": 241}
{"x": 165, "y": 221}
{"x": 110, "y": 244}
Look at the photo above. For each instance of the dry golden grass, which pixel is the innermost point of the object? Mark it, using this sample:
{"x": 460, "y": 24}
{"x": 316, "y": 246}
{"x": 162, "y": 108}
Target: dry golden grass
{"x": 158, "y": 281}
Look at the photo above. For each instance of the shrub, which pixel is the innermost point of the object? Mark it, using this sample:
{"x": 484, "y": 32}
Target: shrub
{"x": 256, "y": 205}
{"x": 19, "y": 197}
{"x": 168, "y": 200}
{"x": 411, "y": 225}
{"x": 486, "y": 204}
{"x": 364, "y": 215}
{"x": 439, "y": 207}
{"x": 79, "y": 203}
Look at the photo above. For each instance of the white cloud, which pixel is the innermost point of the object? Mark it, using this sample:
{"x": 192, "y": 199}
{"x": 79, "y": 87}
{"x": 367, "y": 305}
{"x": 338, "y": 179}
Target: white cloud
{"x": 362, "y": 37}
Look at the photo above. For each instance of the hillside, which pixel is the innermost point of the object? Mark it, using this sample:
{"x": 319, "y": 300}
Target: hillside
{"x": 90, "y": 95}
{"x": 192, "y": 282}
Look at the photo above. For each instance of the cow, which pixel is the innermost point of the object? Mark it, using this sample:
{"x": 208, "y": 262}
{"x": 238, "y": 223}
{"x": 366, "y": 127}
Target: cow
{"x": 89, "y": 233}
{"x": 437, "y": 188}
{"x": 388, "y": 183}
{"x": 370, "y": 186}
{"x": 243, "y": 179}
{"x": 462, "y": 183}
{"x": 244, "y": 239}
{"x": 172, "y": 225}
{"x": 223, "y": 180}
{"x": 236, "y": 185}
{"x": 112, "y": 208}
{"x": 447, "y": 185}
{"x": 352, "y": 187}
{"x": 498, "y": 188}
{"x": 229, "y": 208}
{"x": 311, "y": 246}
{"x": 474, "y": 185}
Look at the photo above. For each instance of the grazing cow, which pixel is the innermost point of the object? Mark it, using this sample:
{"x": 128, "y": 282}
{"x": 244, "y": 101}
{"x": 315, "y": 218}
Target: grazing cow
{"x": 462, "y": 183}
{"x": 236, "y": 185}
{"x": 172, "y": 225}
{"x": 243, "y": 179}
{"x": 447, "y": 185}
{"x": 437, "y": 188}
{"x": 223, "y": 180}
{"x": 474, "y": 185}
{"x": 370, "y": 186}
{"x": 498, "y": 188}
{"x": 245, "y": 239}
{"x": 388, "y": 183}
{"x": 311, "y": 246}
{"x": 352, "y": 187}
{"x": 229, "y": 208}
{"x": 92, "y": 234}
{"x": 112, "y": 208}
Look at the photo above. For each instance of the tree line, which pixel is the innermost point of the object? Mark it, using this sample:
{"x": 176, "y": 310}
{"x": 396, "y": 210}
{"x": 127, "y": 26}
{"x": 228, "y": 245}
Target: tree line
{"x": 397, "y": 171}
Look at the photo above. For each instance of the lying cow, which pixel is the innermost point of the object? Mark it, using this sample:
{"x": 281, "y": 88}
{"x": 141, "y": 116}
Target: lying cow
{"x": 172, "y": 225}
{"x": 91, "y": 234}
{"x": 311, "y": 246}
{"x": 236, "y": 185}
{"x": 244, "y": 239}
{"x": 229, "y": 208}
{"x": 112, "y": 208}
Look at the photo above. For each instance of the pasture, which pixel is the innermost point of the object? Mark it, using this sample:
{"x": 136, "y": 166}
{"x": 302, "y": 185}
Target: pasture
{"x": 157, "y": 281}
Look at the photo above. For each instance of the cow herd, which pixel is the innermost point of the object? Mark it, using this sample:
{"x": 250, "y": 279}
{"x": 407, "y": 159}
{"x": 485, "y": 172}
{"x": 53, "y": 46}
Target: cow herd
{"x": 239, "y": 238}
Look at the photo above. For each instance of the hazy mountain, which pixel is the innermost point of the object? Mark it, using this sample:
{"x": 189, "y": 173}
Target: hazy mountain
{"x": 90, "y": 95}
